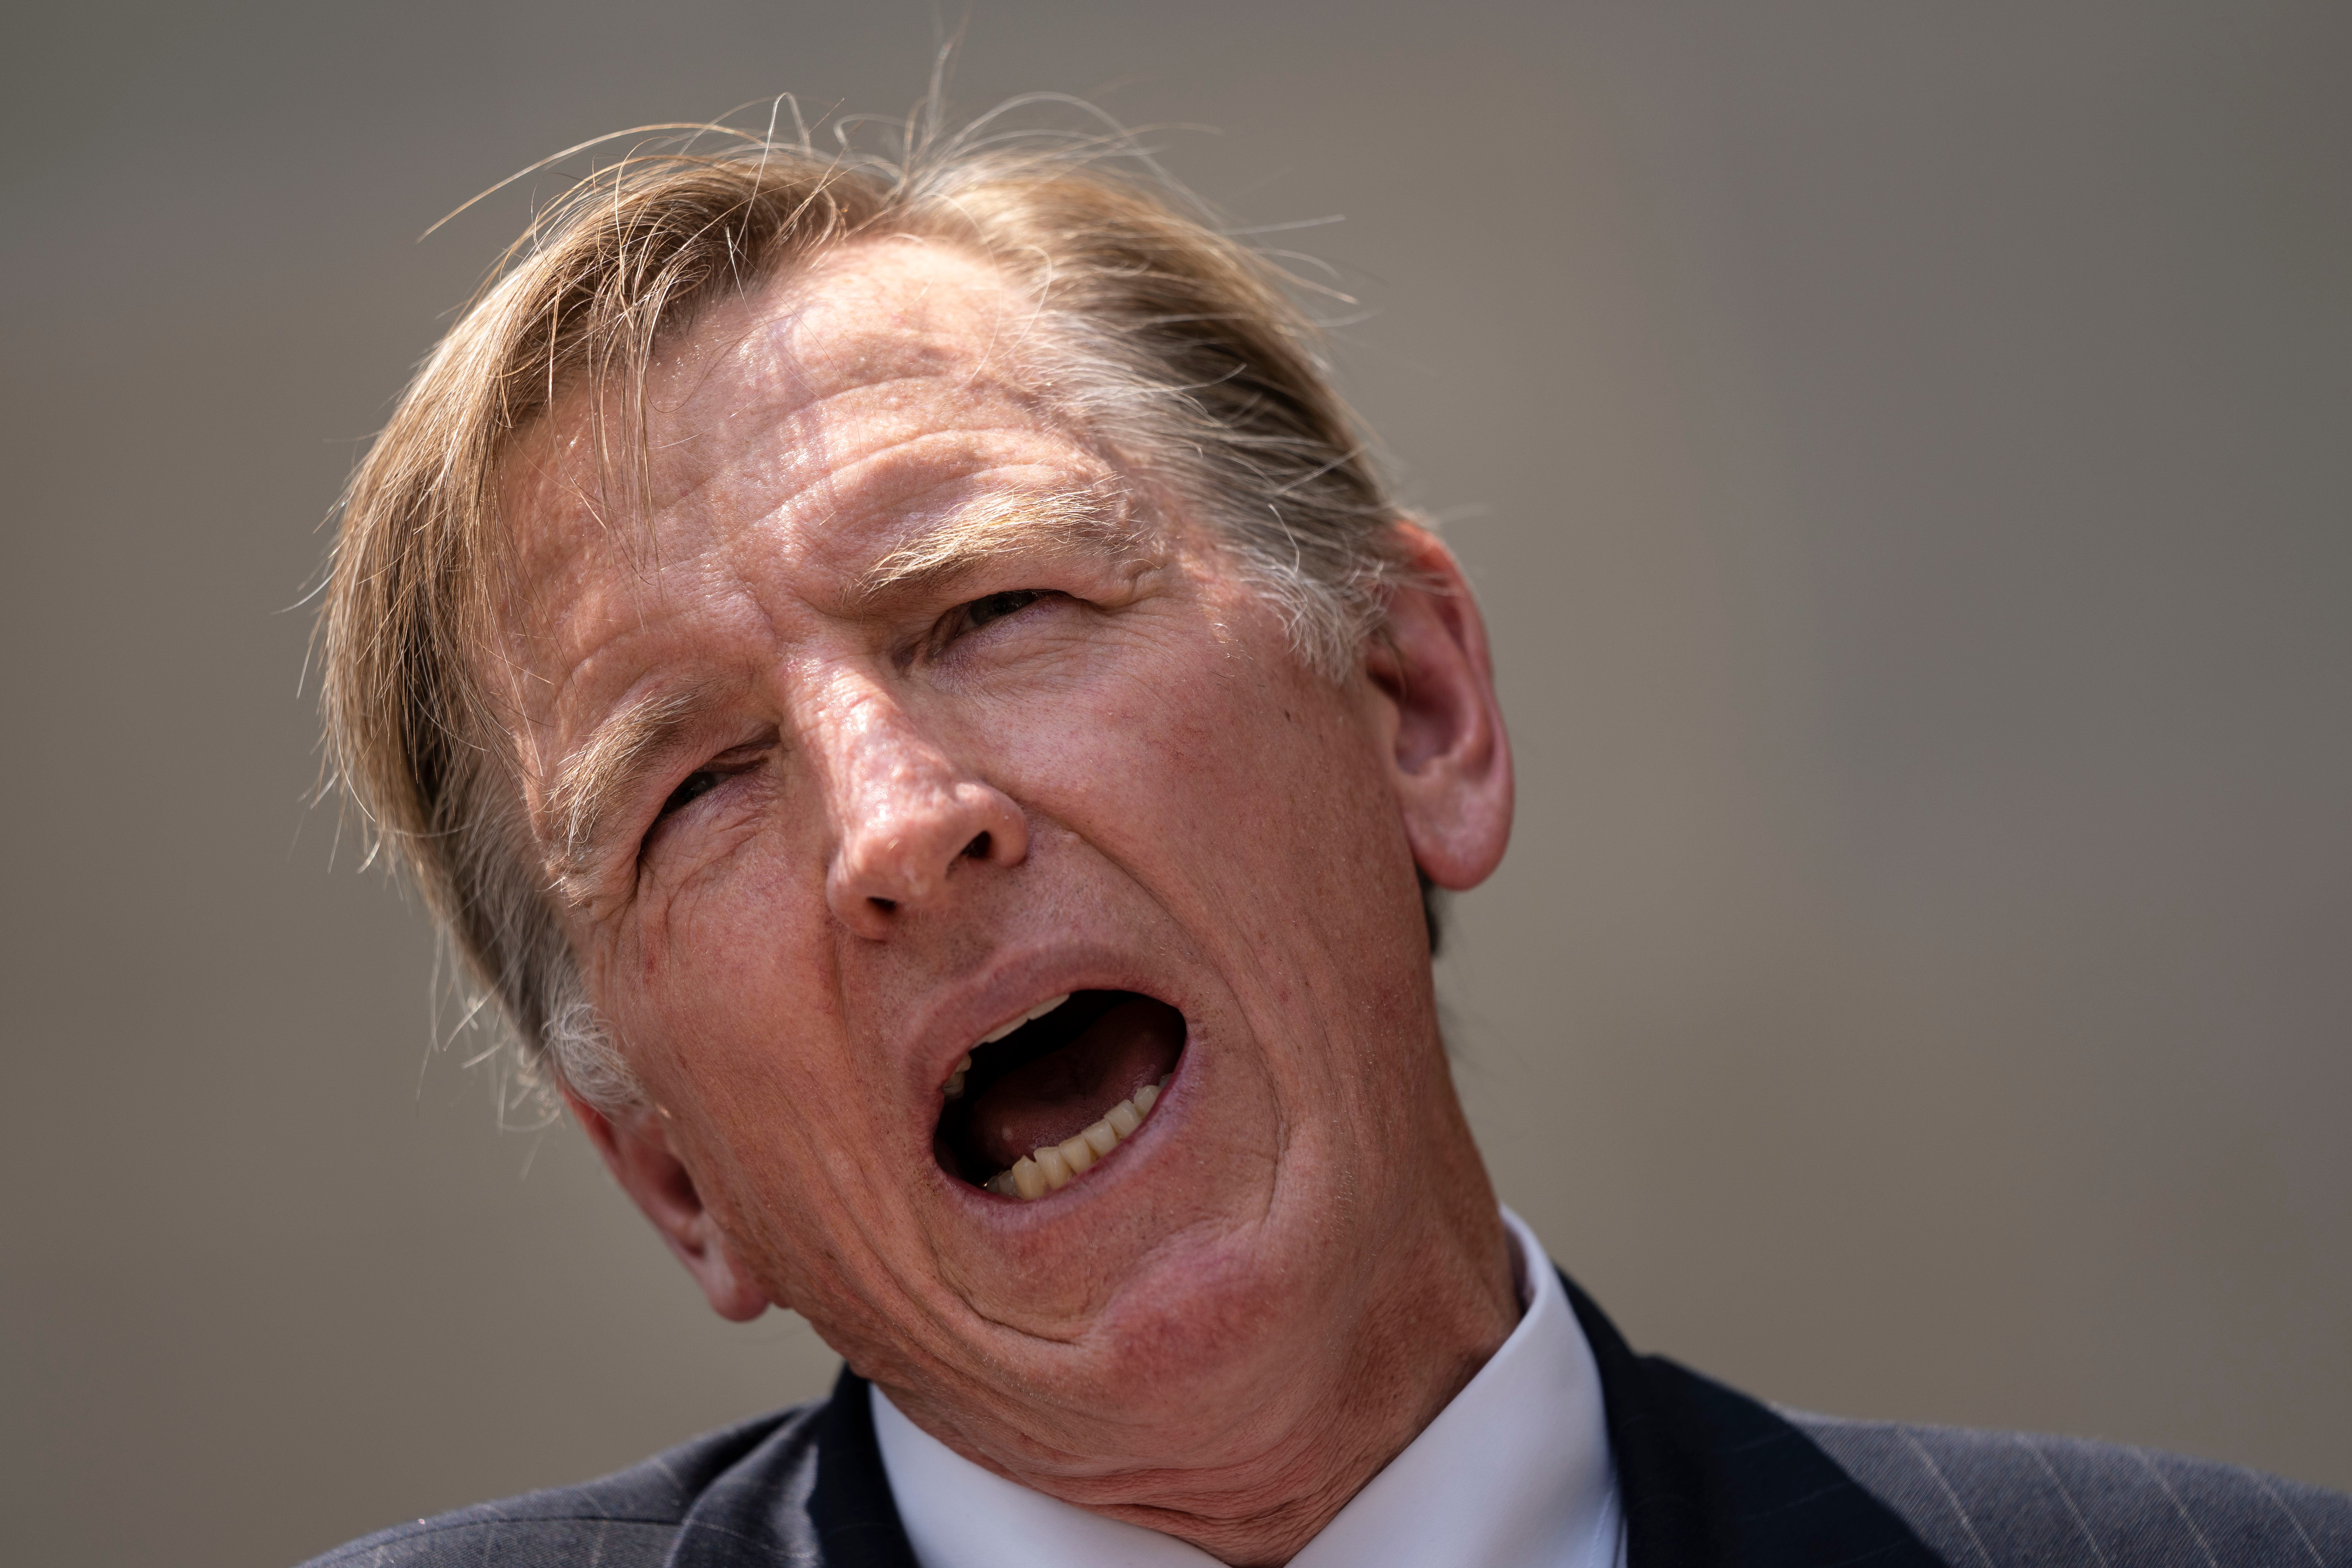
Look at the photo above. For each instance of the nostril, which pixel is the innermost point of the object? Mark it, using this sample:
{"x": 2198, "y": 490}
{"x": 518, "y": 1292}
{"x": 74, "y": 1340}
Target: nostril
{"x": 977, "y": 850}
{"x": 885, "y": 905}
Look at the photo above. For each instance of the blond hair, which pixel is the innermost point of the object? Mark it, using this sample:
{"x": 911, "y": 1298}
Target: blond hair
{"x": 1170, "y": 344}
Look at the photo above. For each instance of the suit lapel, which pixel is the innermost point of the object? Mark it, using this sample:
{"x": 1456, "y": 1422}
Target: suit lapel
{"x": 1711, "y": 1478}
{"x": 850, "y": 1510}
{"x": 812, "y": 1493}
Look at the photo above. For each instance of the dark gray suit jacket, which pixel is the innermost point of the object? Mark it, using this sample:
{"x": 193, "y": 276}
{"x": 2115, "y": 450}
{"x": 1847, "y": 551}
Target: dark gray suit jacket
{"x": 1708, "y": 1479}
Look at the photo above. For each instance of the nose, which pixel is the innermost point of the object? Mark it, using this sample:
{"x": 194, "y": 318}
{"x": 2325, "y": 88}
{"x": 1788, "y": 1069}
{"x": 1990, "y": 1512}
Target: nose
{"x": 909, "y": 822}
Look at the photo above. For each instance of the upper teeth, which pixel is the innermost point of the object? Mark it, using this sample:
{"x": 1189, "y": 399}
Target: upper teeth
{"x": 954, "y": 1085}
{"x": 1039, "y": 1011}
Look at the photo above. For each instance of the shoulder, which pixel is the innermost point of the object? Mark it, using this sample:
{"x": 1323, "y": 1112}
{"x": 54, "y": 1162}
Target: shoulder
{"x": 631, "y": 1518}
{"x": 1990, "y": 1499}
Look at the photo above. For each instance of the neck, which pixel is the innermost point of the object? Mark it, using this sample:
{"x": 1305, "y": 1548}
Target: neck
{"x": 1258, "y": 1456}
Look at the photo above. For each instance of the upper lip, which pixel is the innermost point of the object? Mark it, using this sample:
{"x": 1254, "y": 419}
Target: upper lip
{"x": 953, "y": 1022}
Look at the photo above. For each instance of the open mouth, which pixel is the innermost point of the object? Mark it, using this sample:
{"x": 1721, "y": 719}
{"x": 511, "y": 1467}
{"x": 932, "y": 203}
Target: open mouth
{"x": 1045, "y": 1098}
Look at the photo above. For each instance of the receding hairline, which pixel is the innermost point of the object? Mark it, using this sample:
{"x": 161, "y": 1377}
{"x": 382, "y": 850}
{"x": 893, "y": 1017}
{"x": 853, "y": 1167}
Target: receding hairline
{"x": 557, "y": 461}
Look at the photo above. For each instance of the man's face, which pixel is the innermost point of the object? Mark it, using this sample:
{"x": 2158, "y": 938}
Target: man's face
{"x": 907, "y": 712}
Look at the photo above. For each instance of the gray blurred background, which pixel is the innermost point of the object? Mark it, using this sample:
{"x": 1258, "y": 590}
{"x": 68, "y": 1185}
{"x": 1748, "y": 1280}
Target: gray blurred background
{"x": 1903, "y": 452}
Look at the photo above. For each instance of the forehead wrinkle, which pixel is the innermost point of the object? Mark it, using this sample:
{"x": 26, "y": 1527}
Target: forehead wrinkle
{"x": 834, "y": 331}
{"x": 776, "y": 391}
{"x": 864, "y": 501}
{"x": 855, "y": 320}
{"x": 850, "y": 451}
{"x": 845, "y": 338}
{"x": 769, "y": 422}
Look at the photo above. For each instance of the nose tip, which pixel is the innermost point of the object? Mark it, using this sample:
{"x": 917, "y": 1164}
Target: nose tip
{"x": 910, "y": 848}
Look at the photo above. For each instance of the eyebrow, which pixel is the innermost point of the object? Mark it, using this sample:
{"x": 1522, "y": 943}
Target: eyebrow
{"x": 611, "y": 767}
{"x": 1091, "y": 519}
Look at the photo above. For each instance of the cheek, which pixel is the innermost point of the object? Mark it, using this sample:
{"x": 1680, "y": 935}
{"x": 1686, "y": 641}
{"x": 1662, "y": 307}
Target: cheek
{"x": 718, "y": 898}
{"x": 1240, "y": 789}
{"x": 1260, "y": 754}
{"x": 722, "y": 983}
{"x": 1177, "y": 718}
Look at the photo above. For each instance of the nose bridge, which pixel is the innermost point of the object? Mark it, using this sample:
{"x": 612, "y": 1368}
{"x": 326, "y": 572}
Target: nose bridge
{"x": 906, "y": 813}
{"x": 892, "y": 776}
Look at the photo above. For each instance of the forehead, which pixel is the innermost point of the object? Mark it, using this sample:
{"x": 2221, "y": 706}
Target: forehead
{"x": 791, "y": 434}
{"x": 878, "y": 385}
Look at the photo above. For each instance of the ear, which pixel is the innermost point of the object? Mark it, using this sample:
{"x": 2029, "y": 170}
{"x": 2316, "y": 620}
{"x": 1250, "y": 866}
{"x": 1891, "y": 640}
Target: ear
{"x": 1450, "y": 759}
{"x": 637, "y": 1150}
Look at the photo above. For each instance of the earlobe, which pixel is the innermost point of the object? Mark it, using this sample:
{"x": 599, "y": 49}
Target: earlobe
{"x": 1450, "y": 756}
{"x": 636, "y": 1147}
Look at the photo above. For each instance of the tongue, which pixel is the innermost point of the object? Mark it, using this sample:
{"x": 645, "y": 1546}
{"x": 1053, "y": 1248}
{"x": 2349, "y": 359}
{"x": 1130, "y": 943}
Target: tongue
{"x": 1062, "y": 1094}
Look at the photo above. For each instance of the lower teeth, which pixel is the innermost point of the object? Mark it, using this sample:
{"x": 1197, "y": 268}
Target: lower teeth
{"x": 1056, "y": 1165}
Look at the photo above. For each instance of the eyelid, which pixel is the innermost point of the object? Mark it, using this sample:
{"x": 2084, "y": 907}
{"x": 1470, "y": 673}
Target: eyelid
{"x": 957, "y": 622}
{"x": 752, "y": 753}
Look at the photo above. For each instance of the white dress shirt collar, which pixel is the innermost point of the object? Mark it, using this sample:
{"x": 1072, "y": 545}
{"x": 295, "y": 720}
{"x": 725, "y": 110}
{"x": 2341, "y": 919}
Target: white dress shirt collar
{"x": 1514, "y": 1473}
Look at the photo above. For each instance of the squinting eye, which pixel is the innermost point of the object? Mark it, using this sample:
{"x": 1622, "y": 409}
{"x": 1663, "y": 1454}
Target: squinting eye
{"x": 996, "y": 606}
{"x": 695, "y": 786}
